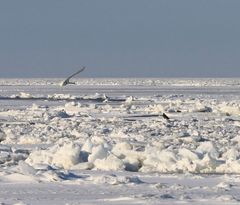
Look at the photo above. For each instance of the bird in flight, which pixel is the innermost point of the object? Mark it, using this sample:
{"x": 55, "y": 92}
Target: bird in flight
{"x": 66, "y": 82}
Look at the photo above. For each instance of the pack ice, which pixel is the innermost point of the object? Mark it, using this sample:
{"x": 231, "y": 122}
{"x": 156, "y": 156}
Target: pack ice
{"x": 111, "y": 132}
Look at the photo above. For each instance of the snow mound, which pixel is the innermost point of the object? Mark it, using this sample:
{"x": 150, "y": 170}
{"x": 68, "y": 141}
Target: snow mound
{"x": 22, "y": 95}
{"x": 64, "y": 156}
{"x": 123, "y": 156}
{"x": 229, "y": 108}
{"x": 109, "y": 163}
{"x": 116, "y": 180}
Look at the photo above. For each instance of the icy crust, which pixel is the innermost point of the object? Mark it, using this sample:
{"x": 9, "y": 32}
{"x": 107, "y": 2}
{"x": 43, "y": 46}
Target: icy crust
{"x": 202, "y": 135}
{"x": 54, "y": 97}
{"x": 124, "y": 156}
{"x": 197, "y": 82}
{"x": 169, "y": 103}
{"x": 113, "y": 148}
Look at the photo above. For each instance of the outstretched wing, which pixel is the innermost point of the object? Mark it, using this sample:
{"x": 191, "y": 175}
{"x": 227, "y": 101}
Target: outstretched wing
{"x": 65, "y": 82}
{"x": 82, "y": 69}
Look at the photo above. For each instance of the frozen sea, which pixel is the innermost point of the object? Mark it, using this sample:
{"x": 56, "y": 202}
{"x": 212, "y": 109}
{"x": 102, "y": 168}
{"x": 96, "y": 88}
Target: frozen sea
{"x": 105, "y": 141}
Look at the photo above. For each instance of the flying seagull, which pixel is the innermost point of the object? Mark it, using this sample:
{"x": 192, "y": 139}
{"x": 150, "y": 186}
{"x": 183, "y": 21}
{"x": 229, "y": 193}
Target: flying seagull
{"x": 65, "y": 82}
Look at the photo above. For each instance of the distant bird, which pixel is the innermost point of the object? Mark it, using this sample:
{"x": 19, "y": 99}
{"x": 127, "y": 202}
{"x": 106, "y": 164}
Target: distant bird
{"x": 66, "y": 82}
{"x": 165, "y": 116}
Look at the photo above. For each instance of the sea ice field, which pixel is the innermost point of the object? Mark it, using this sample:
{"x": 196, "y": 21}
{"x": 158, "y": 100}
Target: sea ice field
{"x": 106, "y": 141}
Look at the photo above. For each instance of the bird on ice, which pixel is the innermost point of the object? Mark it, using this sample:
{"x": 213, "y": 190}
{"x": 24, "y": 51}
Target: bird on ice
{"x": 66, "y": 82}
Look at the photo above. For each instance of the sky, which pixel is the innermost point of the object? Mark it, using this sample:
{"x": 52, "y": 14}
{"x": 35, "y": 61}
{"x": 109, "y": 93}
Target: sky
{"x": 120, "y": 38}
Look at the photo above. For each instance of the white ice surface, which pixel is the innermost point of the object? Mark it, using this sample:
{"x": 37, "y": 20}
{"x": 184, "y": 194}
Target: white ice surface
{"x": 104, "y": 141}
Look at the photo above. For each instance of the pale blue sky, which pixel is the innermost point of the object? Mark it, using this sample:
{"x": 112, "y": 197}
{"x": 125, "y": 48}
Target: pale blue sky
{"x": 120, "y": 38}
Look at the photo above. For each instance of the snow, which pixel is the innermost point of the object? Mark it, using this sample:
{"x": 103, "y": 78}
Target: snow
{"x": 105, "y": 141}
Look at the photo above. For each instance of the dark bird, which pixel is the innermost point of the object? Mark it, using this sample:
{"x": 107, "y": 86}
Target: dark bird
{"x": 165, "y": 116}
